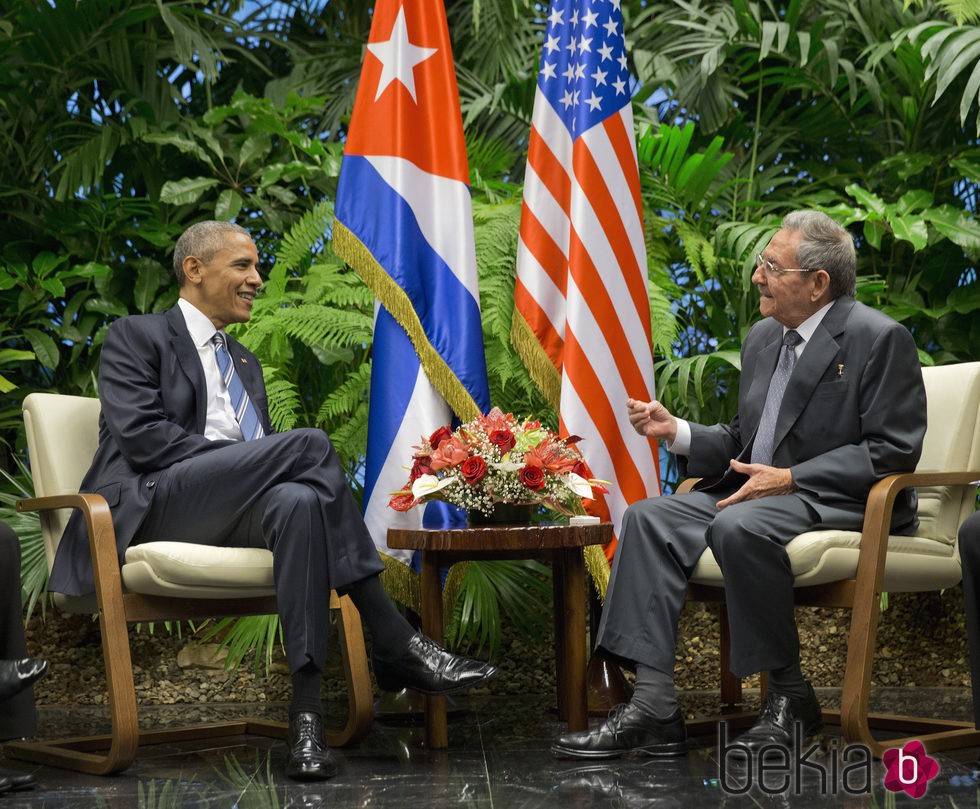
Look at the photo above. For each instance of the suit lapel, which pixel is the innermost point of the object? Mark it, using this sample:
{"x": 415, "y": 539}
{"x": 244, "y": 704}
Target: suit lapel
{"x": 820, "y": 351}
{"x": 185, "y": 353}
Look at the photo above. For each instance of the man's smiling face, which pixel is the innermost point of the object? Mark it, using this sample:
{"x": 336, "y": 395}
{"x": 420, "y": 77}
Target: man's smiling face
{"x": 224, "y": 286}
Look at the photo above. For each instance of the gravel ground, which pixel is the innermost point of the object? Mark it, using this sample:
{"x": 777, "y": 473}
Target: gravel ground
{"x": 921, "y": 643}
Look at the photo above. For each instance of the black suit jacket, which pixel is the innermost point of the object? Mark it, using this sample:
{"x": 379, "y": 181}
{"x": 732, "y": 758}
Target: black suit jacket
{"x": 154, "y": 410}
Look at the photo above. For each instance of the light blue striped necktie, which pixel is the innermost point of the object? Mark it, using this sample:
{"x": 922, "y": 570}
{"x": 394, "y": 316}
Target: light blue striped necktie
{"x": 248, "y": 418}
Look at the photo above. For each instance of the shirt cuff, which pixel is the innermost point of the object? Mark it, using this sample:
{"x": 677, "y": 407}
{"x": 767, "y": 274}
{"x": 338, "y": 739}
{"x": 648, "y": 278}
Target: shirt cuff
{"x": 681, "y": 445}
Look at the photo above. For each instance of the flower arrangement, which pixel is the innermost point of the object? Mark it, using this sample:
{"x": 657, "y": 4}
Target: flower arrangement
{"x": 498, "y": 459}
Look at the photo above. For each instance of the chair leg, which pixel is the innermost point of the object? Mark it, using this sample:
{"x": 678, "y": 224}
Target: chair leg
{"x": 731, "y": 686}
{"x": 360, "y": 697}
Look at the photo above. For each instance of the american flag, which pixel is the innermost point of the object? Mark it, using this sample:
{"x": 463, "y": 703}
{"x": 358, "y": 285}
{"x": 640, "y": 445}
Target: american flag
{"x": 582, "y": 312}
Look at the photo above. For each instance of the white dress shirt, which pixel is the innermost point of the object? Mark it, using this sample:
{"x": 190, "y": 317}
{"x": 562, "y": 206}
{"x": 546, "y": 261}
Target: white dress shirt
{"x": 681, "y": 444}
{"x": 221, "y": 422}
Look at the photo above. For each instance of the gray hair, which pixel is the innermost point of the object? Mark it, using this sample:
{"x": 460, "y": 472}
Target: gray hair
{"x": 825, "y": 246}
{"x": 201, "y": 240}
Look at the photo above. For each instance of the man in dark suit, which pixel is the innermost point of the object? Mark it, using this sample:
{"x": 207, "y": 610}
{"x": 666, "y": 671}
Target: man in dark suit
{"x": 969, "y": 545}
{"x": 830, "y": 401}
{"x": 17, "y": 671}
{"x": 187, "y": 452}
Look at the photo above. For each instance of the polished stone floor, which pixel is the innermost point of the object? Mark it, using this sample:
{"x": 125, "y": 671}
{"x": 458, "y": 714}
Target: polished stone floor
{"x": 498, "y": 757}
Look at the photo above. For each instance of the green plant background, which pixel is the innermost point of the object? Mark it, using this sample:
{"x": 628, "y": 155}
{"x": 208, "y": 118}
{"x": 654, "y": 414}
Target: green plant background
{"x": 168, "y": 112}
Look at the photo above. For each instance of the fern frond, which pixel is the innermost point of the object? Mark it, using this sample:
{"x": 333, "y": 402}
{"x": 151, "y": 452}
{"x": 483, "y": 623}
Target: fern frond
{"x": 313, "y": 325}
{"x": 284, "y": 400}
{"x": 348, "y": 396}
{"x": 297, "y": 247}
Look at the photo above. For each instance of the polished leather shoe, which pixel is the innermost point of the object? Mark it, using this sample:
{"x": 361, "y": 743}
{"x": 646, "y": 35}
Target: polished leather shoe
{"x": 779, "y": 718}
{"x": 426, "y": 667}
{"x": 309, "y": 758}
{"x": 629, "y": 729}
{"x": 13, "y": 781}
{"x": 16, "y": 675}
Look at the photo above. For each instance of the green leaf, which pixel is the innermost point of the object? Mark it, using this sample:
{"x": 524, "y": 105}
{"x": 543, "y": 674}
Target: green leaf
{"x": 183, "y": 192}
{"x": 868, "y": 199}
{"x": 957, "y": 226}
{"x": 228, "y": 206}
{"x": 44, "y": 347}
{"x": 912, "y": 230}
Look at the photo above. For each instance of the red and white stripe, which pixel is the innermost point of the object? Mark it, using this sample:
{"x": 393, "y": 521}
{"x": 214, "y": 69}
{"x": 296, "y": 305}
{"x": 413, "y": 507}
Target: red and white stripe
{"x": 582, "y": 289}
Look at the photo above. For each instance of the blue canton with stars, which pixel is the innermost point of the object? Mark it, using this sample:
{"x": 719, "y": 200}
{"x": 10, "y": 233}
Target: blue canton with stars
{"x": 583, "y": 63}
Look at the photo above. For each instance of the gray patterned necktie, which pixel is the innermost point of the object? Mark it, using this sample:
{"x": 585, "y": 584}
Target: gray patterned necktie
{"x": 248, "y": 418}
{"x": 762, "y": 446}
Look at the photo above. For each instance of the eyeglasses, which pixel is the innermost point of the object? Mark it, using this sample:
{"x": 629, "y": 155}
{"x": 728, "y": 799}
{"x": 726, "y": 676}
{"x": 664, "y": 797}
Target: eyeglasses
{"x": 772, "y": 270}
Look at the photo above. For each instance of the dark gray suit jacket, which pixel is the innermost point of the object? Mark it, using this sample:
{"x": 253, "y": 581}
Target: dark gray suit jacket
{"x": 154, "y": 410}
{"x": 854, "y": 411}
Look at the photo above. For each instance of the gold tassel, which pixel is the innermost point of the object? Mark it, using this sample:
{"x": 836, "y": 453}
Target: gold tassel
{"x": 598, "y": 567}
{"x": 402, "y": 583}
{"x": 535, "y": 359}
{"x": 451, "y": 589}
{"x": 352, "y": 250}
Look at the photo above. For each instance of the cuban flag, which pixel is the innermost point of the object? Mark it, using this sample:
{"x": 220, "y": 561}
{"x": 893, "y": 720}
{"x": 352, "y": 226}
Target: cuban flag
{"x": 581, "y": 307}
{"x": 404, "y": 221}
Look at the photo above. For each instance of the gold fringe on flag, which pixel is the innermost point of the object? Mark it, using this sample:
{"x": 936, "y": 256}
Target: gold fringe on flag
{"x": 535, "y": 359}
{"x": 598, "y": 567}
{"x": 451, "y": 589}
{"x": 402, "y": 583}
{"x": 352, "y": 250}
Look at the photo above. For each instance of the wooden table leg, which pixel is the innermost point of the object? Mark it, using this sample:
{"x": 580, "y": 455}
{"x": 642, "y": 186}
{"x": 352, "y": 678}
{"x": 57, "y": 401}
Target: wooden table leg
{"x": 569, "y": 587}
{"x": 436, "y": 732}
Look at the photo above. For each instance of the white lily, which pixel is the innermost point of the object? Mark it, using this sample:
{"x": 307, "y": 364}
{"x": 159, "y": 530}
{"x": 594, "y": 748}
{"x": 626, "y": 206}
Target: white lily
{"x": 430, "y": 484}
{"x": 507, "y": 466}
{"x": 579, "y": 485}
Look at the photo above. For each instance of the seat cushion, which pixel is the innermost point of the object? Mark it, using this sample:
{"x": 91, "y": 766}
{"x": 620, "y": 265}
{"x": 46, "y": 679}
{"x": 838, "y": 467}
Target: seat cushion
{"x": 197, "y": 571}
{"x": 818, "y": 557}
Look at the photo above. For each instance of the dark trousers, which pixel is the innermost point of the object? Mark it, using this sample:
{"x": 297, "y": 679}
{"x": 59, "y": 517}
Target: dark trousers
{"x": 659, "y": 545}
{"x": 17, "y": 718}
{"x": 286, "y": 492}
{"x": 970, "y": 557}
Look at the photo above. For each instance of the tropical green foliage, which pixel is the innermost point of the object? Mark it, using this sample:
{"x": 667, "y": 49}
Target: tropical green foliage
{"x": 124, "y": 120}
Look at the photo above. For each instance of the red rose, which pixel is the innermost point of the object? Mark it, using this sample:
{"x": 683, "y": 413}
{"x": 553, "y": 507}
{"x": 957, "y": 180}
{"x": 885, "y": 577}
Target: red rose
{"x": 401, "y": 502}
{"x": 502, "y": 440}
{"x": 439, "y": 436}
{"x": 532, "y": 477}
{"x": 420, "y": 466}
{"x": 581, "y": 469}
{"x": 473, "y": 469}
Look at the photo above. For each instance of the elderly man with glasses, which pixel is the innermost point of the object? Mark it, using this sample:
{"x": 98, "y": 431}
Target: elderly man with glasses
{"x": 830, "y": 401}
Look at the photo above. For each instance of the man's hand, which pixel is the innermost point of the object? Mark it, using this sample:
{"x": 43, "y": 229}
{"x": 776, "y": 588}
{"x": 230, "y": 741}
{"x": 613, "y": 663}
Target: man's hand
{"x": 763, "y": 481}
{"x": 652, "y": 419}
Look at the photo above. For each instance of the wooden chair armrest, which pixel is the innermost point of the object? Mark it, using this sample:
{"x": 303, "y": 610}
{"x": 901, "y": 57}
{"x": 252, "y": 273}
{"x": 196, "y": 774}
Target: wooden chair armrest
{"x": 878, "y": 515}
{"x": 101, "y": 539}
{"x": 686, "y": 485}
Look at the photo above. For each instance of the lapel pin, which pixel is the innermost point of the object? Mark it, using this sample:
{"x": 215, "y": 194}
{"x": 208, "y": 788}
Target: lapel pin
{"x": 246, "y": 361}
{"x": 840, "y": 370}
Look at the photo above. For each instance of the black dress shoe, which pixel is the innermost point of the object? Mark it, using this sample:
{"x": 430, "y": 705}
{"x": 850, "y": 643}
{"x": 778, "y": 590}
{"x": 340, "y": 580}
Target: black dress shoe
{"x": 13, "y": 781}
{"x": 425, "y": 666}
{"x": 778, "y": 720}
{"x": 16, "y": 675}
{"x": 309, "y": 758}
{"x": 628, "y": 729}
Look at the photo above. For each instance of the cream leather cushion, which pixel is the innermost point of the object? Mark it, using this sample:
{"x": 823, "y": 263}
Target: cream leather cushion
{"x": 197, "y": 571}
{"x": 818, "y": 557}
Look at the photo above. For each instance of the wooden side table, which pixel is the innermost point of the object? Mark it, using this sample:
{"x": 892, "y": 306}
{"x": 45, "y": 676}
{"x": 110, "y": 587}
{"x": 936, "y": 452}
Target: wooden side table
{"x": 559, "y": 545}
